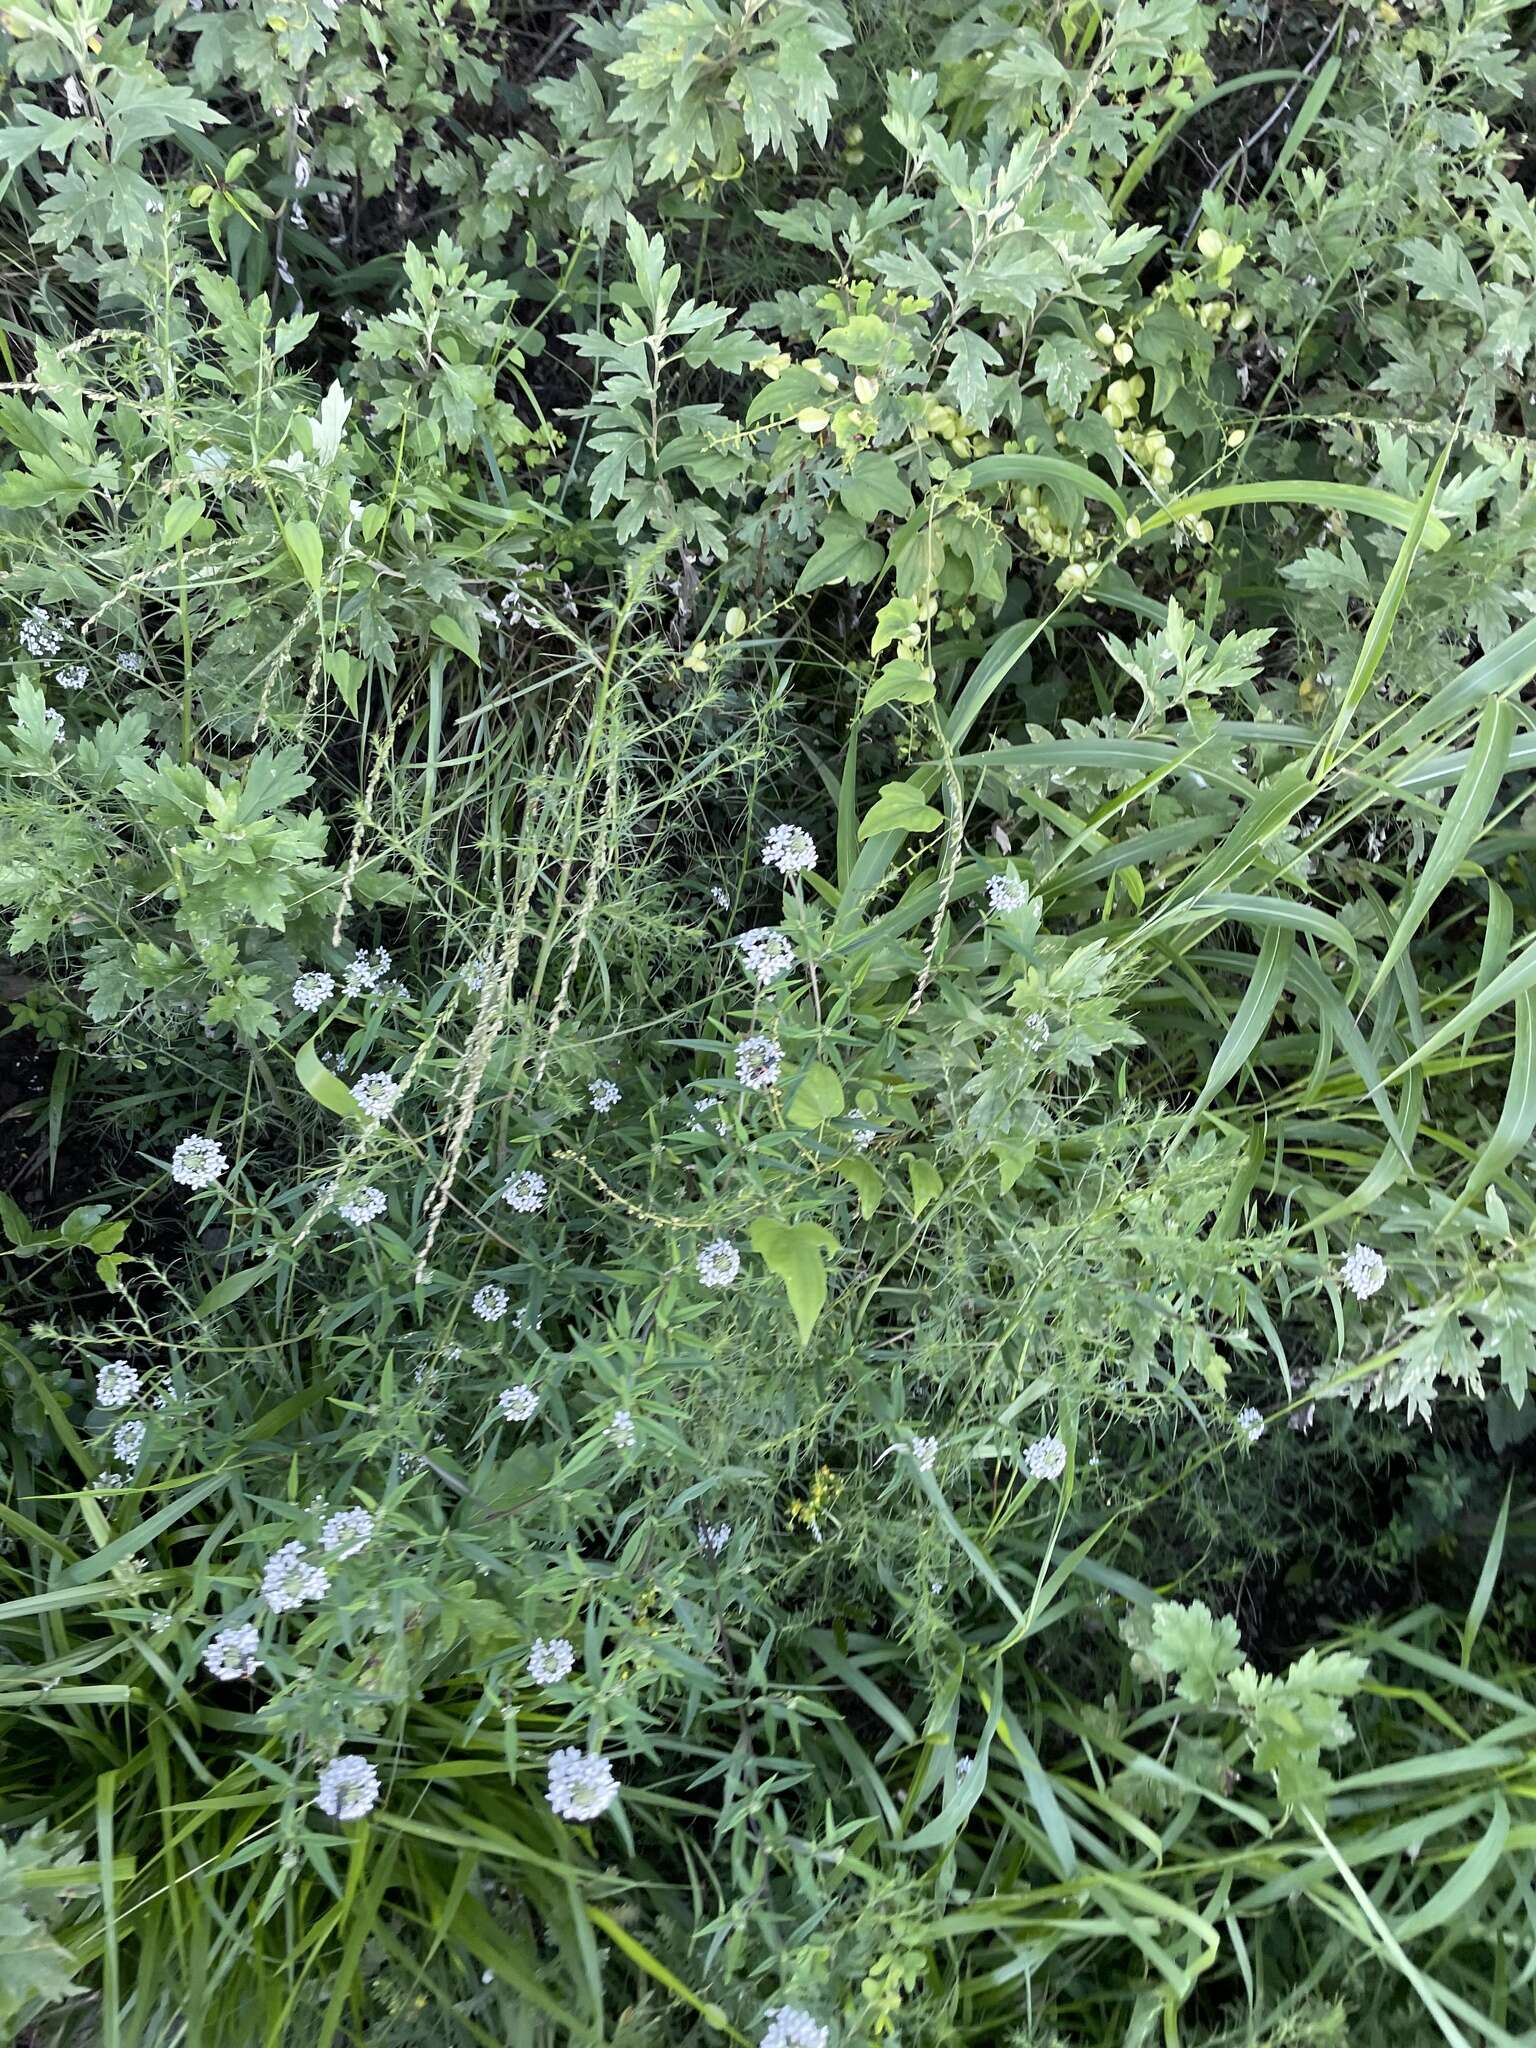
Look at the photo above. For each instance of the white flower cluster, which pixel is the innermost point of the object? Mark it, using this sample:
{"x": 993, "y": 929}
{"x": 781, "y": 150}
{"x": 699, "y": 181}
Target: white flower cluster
{"x": 551, "y": 1662}
{"x": 1363, "y": 1271}
{"x": 347, "y": 1532}
{"x": 704, "y": 1105}
{"x": 363, "y": 1208}
{"x": 526, "y": 1192}
{"x": 924, "y": 1450}
{"x": 490, "y": 1304}
{"x": 39, "y": 635}
{"x": 233, "y": 1652}
{"x": 758, "y": 1061}
{"x": 581, "y": 1786}
{"x": 718, "y": 1262}
{"x": 791, "y": 2027}
{"x": 288, "y": 1579}
{"x": 75, "y": 677}
{"x": 1006, "y": 894}
{"x": 478, "y": 972}
{"x": 767, "y": 953}
{"x": 376, "y": 1096}
{"x": 311, "y": 990}
{"x": 116, "y": 1384}
{"x": 721, "y": 898}
{"x": 1251, "y": 1424}
{"x": 130, "y": 663}
{"x": 197, "y": 1163}
{"x": 366, "y": 970}
{"x": 621, "y": 1429}
{"x": 713, "y": 1537}
{"x": 1046, "y": 1458}
{"x": 348, "y": 1788}
{"x": 863, "y": 1136}
{"x": 518, "y": 1404}
{"x": 604, "y": 1095}
{"x": 127, "y": 1443}
{"x": 790, "y": 849}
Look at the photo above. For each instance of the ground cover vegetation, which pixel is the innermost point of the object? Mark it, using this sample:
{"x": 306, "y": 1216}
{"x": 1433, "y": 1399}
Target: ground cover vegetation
{"x": 769, "y": 1044}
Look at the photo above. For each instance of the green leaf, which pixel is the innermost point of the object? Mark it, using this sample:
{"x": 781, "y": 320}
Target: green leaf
{"x": 317, "y": 1080}
{"x": 450, "y": 630}
{"x": 1070, "y": 481}
{"x": 1463, "y": 821}
{"x": 1252, "y": 1014}
{"x": 865, "y": 1176}
{"x": 900, "y": 682}
{"x": 302, "y": 537}
{"x": 233, "y": 1287}
{"x": 1363, "y": 499}
{"x": 795, "y": 1251}
{"x": 181, "y": 515}
{"x": 900, "y": 807}
{"x": 925, "y": 1181}
{"x": 1374, "y": 647}
{"x": 846, "y": 555}
{"x": 814, "y": 1097}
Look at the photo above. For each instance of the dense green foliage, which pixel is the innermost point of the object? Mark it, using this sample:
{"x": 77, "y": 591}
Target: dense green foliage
{"x": 767, "y": 816}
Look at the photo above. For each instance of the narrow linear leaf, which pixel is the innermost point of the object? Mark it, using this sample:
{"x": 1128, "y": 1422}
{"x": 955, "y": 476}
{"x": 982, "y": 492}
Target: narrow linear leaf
{"x": 1464, "y": 818}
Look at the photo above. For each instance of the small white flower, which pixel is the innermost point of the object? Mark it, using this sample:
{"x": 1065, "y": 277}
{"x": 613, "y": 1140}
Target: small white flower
{"x": 130, "y": 663}
{"x": 478, "y": 973}
{"x": 1251, "y": 1424}
{"x": 348, "y": 1789}
{"x": 1363, "y": 1271}
{"x": 288, "y": 1579}
{"x": 963, "y": 1768}
{"x": 705, "y": 1104}
{"x": 75, "y": 677}
{"x": 758, "y": 1060}
{"x": 116, "y": 1384}
{"x": 39, "y": 636}
{"x": 767, "y": 953}
{"x": 311, "y": 990}
{"x": 924, "y": 1449}
{"x": 366, "y": 971}
{"x": 526, "y": 1192}
{"x": 54, "y": 720}
{"x": 364, "y": 1207}
{"x": 490, "y": 1304}
{"x": 605, "y": 1095}
{"x": 622, "y": 1429}
{"x": 713, "y": 1537}
{"x": 718, "y": 1262}
{"x": 790, "y": 2027}
{"x": 581, "y": 1786}
{"x": 347, "y": 1532}
{"x": 721, "y": 898}
{"x": 233, "y": 1652}
{"x": 518, "y": 1404}
{"x": 1046, "y": 1458}
{"x": 863, "y": 1136}
{"x": 549, "y": 1663}
{"x": 520, "y": 1320}
{"x": 1006, "y": 894}
{"x": 197, "y": 1163}
{"x": 376, "y": 1095}
{"x": 127, "y": 1443}
{"x": 790, "y": 849}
